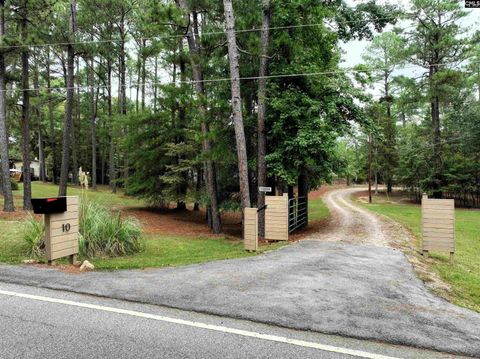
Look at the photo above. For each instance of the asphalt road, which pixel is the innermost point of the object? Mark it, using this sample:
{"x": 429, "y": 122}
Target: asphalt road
{"x": 345, "y": 281}
{"x": 40, "y": 323}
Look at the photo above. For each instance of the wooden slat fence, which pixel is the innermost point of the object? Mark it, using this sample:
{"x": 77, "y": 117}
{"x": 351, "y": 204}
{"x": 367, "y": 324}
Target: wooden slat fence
{"x": 276, "y": 218}
{"x": 438, "y": 225}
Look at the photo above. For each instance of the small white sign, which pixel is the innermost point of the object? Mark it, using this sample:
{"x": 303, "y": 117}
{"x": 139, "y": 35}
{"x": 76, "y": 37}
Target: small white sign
{"x": 265, "y": 189}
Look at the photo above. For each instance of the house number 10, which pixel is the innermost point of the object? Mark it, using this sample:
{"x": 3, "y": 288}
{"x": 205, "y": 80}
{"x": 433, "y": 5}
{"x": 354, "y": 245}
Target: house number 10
{"x": 66, "y": 227}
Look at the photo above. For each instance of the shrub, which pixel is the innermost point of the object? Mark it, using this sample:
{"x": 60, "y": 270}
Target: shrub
{"x": 105, "y": 233}
{"x": 14, "y": 185}
{"x": 12, "y": 181}
{"x": 101, "y": 233}
{"x": 33, "y": 236}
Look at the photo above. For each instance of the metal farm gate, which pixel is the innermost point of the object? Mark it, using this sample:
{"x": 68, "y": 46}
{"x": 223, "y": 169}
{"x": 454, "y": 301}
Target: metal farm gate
{"x": 297, "y": 213}
{"x": 282, "y": 216}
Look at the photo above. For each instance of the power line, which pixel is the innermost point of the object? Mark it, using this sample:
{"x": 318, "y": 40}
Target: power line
{"x": 224, "y": 79}
{"x": 213, "y": 33}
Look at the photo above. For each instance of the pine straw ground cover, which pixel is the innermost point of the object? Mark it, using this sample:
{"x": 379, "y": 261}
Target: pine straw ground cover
{"x": 169, "y": 237}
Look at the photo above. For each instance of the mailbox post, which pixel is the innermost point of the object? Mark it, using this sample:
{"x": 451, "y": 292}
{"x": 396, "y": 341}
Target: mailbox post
{"x": 61, "y": 215}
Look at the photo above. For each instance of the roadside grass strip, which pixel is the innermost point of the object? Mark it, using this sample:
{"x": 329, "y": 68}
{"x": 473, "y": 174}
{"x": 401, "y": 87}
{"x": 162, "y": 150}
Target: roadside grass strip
{"x": 463, "y": 275}
{"x": 217, "y": 328}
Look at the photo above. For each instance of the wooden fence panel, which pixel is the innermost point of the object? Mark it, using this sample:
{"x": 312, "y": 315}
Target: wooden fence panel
{"x": 276, "y": 218}
{"x": 250, "y": 229}
{"x": 438, "y": 225}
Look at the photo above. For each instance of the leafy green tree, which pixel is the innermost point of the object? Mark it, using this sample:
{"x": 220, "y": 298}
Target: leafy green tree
{"x": 414, "y": 164}
{"x": 352, "y": 158}
{"x": 302, "y": 137}
{"x": 383, "y": 56}
{"x": 408, "y": 99}
{"x": 474, "y": 62}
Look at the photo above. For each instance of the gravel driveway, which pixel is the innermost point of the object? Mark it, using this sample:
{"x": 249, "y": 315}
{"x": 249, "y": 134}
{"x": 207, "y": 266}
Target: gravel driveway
{"x": 345, "y": 280}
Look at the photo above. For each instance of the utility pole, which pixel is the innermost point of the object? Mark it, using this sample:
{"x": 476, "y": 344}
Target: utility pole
{"x": 370, "y": 168}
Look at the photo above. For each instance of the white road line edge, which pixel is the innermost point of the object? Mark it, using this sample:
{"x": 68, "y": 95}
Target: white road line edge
{"x": 245, "y": 333}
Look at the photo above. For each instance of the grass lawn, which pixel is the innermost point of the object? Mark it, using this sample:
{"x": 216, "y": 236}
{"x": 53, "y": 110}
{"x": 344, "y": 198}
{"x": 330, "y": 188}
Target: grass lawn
{"x": 12, "y": 246}
{"x": 464, "y": 275}
{"x": 317, "y": 209}
{"x": 159, "y": 249}
{"x": 175, "y": 251}
{"x": 103, "y": 195}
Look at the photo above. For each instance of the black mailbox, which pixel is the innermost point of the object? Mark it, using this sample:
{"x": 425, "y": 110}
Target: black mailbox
{"x": 49, "y": 205}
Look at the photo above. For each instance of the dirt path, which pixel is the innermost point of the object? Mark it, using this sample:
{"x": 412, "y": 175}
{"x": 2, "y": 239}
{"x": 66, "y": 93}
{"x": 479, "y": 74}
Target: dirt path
{"x": 352, "y": 224}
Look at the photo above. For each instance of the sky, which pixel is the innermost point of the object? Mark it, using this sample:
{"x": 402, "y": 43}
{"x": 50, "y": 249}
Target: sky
{"x": 353, "y": 49}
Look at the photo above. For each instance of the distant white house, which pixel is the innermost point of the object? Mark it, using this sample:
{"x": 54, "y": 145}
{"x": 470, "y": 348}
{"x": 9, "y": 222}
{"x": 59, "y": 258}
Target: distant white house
{"x": 34, "y": 168}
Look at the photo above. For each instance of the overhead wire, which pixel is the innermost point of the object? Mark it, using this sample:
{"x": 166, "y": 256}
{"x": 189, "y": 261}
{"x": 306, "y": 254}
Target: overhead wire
{"x": 211, "y": 33}
{"x": 224, "y": 79}
{"x": 154, "y": 84}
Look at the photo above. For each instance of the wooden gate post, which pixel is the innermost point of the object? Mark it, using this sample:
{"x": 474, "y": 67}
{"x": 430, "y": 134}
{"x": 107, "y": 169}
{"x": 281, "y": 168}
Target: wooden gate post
{"x": 276, "y": 217}
{"x": 438, "y": 225}
{"x": 250, "y": 229}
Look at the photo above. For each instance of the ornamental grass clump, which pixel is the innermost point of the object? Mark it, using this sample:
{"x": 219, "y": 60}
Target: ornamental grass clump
{"x": 105, "y": 233}
{"x": 33, "y": 236}
{"x": 102, "y": 233}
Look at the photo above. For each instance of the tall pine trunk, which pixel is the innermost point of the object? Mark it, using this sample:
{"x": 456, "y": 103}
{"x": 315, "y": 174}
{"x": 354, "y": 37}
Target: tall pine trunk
{"x": 122, "y": 69}
{"x": 144, "y": 73}
{"x": 262, "y": 89}
{"x": 437, "y": 151}
{"x": 67, "y": 128}
{"x": 26, "y": 174}
{"x": 180, "y": 138}
{"x": 390, "y": 136}
{"x": 76, "y": 120}
{"x": 93, "y": 115}
{"x": 53, "y": 147}
{"x": 8, "y": 205}
{"x": 111, "y": 146}
{"x": 38, "y": 115}
{"x": 197, "y": 75}
{"x": 155, "y": 85}
{"x": 237, "y": 103}
{"x": 139, "y": 74}
{"x": 122, "y": 85}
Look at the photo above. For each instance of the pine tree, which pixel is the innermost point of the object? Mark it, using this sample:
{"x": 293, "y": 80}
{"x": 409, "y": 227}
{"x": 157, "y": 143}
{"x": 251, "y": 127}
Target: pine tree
{"x": 435, "y": 45}
{"x": 70, "y": 83}
{"x": 383, "y": 56}
{"x": 233, "y": 56}
{"x": 8, "y": 205}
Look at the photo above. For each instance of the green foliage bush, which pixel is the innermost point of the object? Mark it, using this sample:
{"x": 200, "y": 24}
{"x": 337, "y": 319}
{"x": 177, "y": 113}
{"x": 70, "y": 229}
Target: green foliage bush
{"x": 105, "y": 233}
{"x": 12, "y": 181}
{"x": 102, "y": 233}
{"x": 14, "y": 185}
